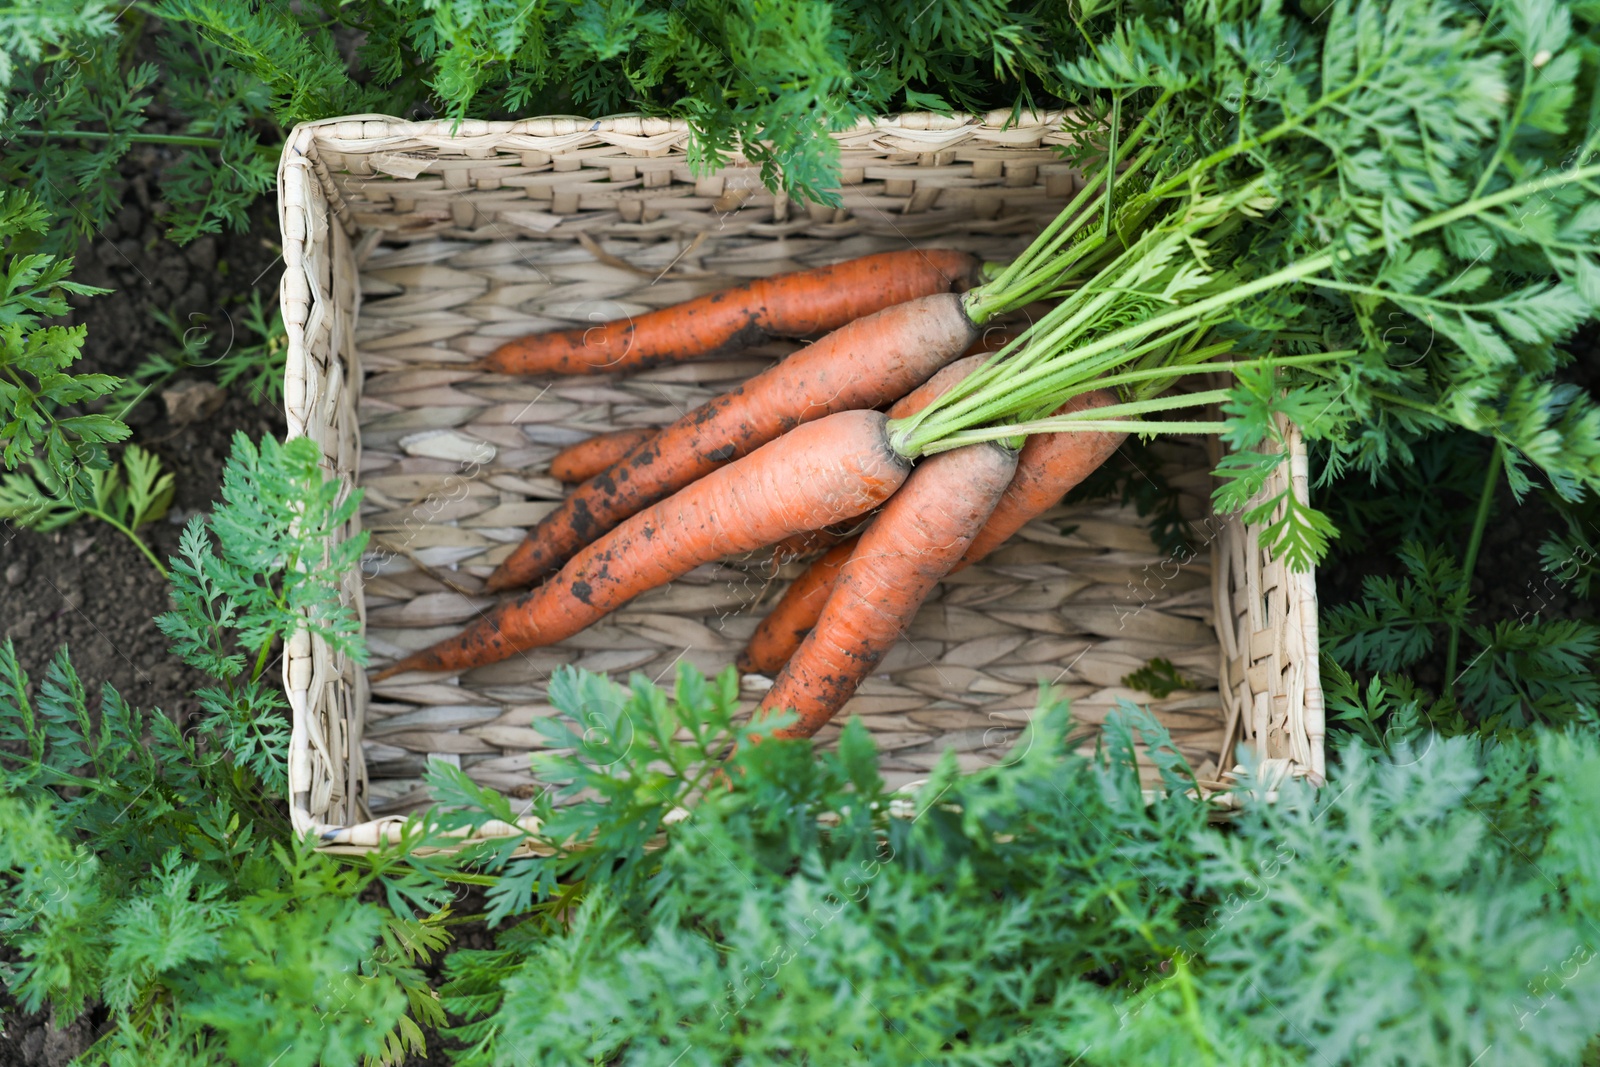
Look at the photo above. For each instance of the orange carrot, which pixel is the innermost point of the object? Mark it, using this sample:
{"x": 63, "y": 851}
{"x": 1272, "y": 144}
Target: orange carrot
{"x": 792, "y": 617}
{"x": 862, "y": 365}
{"x": 797, "y": 611}
{"x": 820, "y": 473}
{"x": 914, "y": 541}
{"x": 810, "y": 542}
{"x": 582, "y": 461}
{"x": 786, "y": 305}
{"x": 935, "y": 387}
{"x": 1049, "y": 466}
{"x": 806, "y": 543}
{"x": 993, "y": 340}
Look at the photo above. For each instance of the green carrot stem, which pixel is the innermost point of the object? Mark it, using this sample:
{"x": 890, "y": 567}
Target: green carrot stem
{"x": 1507, "y": 195}
{"x": 1491, "y": 479}
{"x": 1023, "y": 429}
{"x": 951, "y": 418}
{"x": 135, "y": 538}
{"x": 1024, "y": 279}
{"x": 995, "y": 383}
{"x": 1209, "y": 366}
{"x": 261, "y": 660}
{"x": 1111, "y": 165}
{"x": 182, "y": 140}
{"x": 1047, "y": 342}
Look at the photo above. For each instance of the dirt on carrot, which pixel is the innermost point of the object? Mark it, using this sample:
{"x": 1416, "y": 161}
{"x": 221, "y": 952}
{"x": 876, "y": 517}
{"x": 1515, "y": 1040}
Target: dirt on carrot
{"x": 582, "y": 461}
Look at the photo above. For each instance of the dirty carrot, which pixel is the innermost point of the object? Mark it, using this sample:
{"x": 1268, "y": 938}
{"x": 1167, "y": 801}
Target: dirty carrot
{"x": 920, "y": 534}
{"x": 795, "y": 613}
{"x": 582, "y": 461}
{"x": 821, "y": 473}
{"x": 810, "y": 542}
{"x": 1049, "y": 466}
{"x": 785, "y": 305}
{"x": 862, "y": 365}
{"x": 935, "y": 387}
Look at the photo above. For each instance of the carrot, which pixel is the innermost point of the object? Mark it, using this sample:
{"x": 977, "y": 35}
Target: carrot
{"x": 993, "y": 340}
{"x": 935, "y": 387}
{"x": 820, "y": 473}
{"x": 582, "y": 461}
{"x": 811, "y": 542}
{"x": 1049, "y": 465}
{"x": 862, "y": 365}
{"x": 807, "y": 542}
{"x": 786, "y": 305}
{"x": 914, "y": 541}
{"x": 795, "y": 613}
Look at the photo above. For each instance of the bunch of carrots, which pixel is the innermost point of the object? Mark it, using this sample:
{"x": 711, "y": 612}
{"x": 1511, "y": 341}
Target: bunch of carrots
{"x": 896, "y": 411}
{"x": 785, "y": 457}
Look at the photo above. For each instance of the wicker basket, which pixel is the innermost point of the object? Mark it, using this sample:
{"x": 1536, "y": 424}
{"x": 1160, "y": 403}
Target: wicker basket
{"x": 410, "y": 246}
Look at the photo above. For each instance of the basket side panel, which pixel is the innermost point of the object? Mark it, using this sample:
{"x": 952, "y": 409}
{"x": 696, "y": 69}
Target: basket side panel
{"x": 1267, "y": 623}
{"x": 319, "y": 296}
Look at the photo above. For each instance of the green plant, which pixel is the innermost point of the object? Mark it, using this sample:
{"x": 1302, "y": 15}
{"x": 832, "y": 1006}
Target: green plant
{"x": 144, "y": 872}
{"x": 34, "y": 381}
{"x": 1044, "y": 909}
{"x": 37, "y": 33}
{"x": 790, "y": 917}
{"x": 153, "y": 869}
{"x": 69, "y": 120}
{"x": 1433, "y": 908}
{"x": 1258, "y": 193}
{"x": 271, "y": 573}
{"x": 769, "y": 79}
{"x": 1525, "y": 670}
{"x": 1159, "y": 678}
{"x": 258, "y": 365}
{"x": 126, "y": 496}
{"x": 255, "y": 355}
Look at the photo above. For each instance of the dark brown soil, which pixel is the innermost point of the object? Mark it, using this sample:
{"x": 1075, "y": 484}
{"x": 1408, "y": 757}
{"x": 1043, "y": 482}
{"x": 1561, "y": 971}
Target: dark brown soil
{"x": 86, "y": 587}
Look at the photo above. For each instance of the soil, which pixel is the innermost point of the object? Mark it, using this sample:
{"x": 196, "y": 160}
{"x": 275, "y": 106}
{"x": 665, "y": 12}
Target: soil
{"x": 86, "y": 587}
